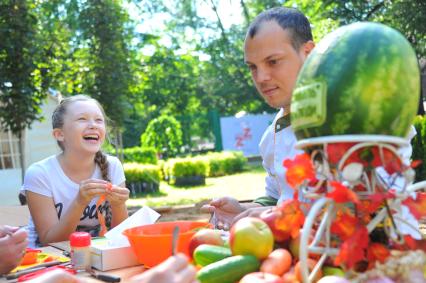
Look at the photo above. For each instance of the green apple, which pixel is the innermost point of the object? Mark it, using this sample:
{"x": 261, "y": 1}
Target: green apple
{"x": 330, "y": 270}
{"x": 251, "y": 236}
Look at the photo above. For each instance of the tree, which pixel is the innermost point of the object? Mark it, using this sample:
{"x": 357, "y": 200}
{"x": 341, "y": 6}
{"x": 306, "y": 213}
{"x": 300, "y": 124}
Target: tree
{"x": 164, "y": 134}
{"x": 407, "y": 16}
{"x": 21, "y": 88}
{"x": 104, "y": 26}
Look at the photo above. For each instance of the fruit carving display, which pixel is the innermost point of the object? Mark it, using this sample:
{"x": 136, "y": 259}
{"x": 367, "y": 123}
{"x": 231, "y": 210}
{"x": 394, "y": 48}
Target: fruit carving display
{"x": 361, "y": 79}
{"x": 353, "y": 105}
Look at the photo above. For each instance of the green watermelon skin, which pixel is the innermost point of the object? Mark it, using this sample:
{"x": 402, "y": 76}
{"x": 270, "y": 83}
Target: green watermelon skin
{"x": 366, "y": 80}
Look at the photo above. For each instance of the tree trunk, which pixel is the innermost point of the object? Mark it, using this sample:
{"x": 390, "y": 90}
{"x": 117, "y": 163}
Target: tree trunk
{"x": 21, "y": 155}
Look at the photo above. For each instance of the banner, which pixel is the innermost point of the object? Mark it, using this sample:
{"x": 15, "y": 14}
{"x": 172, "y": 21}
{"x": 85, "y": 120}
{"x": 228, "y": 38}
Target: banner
{"x": 244, "y": 133}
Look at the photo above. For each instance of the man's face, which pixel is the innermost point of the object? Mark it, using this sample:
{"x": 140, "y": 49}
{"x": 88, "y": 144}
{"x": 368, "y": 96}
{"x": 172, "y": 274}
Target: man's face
{"x": 274, "y": 63}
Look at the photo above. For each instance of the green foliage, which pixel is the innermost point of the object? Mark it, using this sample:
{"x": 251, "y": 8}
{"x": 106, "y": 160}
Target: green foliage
{"x": 21, "y": 80}
{"x": 140, "y": 155}
{"x": 186, "y": 171}
{"x": 407, "y": 16}
{"x": 103, "y": 26}
{"x": 164, "y": 134}
{"x": 209, "y": 165}
{"x": 225, "y": 163}
{"x": 185, "y": 167}
{"x": 419, "y": 147}
{"x": 136, "y": 172}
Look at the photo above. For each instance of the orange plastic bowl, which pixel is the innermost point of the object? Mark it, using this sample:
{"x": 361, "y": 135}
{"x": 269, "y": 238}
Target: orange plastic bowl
{"x": 152, "y": 243}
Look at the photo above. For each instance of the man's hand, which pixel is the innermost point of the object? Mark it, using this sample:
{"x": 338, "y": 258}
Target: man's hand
{"x": 12, "y": 247}
{"x": 223, "y": 211}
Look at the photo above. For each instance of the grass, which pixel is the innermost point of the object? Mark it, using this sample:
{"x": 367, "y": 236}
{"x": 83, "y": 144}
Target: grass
{"x": 247, "y": 185}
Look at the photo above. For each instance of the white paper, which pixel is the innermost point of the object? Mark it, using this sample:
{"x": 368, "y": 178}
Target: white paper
{"x": 143, "y": 216}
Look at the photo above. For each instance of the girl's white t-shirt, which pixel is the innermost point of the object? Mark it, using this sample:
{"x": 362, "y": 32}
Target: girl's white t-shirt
{"x": 47, "y": 178}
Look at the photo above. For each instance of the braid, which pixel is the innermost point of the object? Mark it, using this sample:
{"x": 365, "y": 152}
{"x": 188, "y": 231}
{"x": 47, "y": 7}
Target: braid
{"x": 102, "y": 162}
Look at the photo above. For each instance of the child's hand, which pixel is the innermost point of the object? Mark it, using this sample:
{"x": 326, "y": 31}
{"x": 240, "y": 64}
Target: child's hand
{"x": 91, "y": 188}
{"x": 116, "y": 195}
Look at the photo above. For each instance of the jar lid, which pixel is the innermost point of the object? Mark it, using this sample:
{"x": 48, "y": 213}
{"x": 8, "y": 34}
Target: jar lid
{"x": 80, "y": 239}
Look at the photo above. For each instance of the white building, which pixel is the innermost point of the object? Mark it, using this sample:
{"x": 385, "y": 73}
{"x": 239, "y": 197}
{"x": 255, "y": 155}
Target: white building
{"x": 38, "y": 144}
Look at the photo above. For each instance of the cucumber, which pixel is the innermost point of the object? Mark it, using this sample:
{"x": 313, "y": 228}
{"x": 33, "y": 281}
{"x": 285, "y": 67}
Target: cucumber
{"x": 206, "y": 254}
{"x": 228, "y": 270}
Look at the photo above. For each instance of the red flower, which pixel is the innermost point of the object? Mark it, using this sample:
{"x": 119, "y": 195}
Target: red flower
{"x": 342, "y": 194}
{"x": 345, "y": 225}
{"x": 415, "y": 163}
{"x": 291, "y": 219}
{"x": 417, "y": 206}
{"x": 353, "y": 249}
{"x": 299, "y": 170}
{"x": 377, "y": 252}
{"x": 376, "y": 200}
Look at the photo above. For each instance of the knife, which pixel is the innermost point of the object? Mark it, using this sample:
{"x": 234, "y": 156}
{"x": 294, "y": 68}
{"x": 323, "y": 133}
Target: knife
{"x": 103, "y": 276}
{"x": 33, "y": 268}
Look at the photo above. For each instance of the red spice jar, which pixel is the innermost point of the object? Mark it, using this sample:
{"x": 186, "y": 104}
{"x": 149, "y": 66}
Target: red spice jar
{"x": 80, "y": 251}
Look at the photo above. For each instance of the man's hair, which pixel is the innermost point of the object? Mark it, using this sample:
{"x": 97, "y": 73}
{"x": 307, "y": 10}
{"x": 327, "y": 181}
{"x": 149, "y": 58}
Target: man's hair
{"x": 289, "y": 19}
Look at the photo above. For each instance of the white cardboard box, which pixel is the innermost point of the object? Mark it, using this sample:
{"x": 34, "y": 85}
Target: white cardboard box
{"x": 106, "y": 257}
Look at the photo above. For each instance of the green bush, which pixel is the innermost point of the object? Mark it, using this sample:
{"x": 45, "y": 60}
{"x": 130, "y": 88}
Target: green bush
{"x": 136, "y": 172}
{"x": 184, "y": 167}
{"x": 216, "y": 164}
{"x": 419, "y": 147}
{"x": 162, "y": 164}
{"x": 140, "y": 155}
{"x": 142, "y": 178}
{"x": 225, "y": 163}
{"x": 186, "y": 171}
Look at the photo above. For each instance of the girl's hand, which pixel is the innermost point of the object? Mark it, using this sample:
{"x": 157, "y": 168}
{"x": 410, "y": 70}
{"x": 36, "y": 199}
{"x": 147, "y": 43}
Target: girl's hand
{"x": 116, "y": 195}
{"x": 89, "y": 189}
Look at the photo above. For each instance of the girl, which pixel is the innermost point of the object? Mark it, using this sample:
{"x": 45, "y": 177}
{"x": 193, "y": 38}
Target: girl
{"x": 64, "y": 191}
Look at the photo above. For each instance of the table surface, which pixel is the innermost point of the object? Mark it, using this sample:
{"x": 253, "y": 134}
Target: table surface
{"x": 124, "y": 273}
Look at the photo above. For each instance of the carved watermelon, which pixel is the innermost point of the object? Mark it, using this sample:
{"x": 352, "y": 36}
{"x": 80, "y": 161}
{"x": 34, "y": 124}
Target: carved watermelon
{"x": 363, "y": 78}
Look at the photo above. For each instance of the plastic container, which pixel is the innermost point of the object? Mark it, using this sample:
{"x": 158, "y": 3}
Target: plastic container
{"x": 152, "y": 243}
{"x": 80, "y": 251}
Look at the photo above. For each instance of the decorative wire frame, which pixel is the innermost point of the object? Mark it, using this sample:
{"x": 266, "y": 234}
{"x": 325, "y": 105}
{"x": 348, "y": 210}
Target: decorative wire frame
{"x": 316, "y": 235}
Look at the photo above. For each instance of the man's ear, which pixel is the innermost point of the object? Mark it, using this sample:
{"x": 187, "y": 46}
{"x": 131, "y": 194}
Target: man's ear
{"x": 58, "y": 135}
{"x": 308, "y": 46}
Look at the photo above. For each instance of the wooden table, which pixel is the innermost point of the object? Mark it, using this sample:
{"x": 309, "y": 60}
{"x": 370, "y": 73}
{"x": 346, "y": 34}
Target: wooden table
{"x": 124, "y": 273}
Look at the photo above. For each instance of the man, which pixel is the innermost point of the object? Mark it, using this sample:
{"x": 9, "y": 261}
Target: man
{"x": 277, "y": 43}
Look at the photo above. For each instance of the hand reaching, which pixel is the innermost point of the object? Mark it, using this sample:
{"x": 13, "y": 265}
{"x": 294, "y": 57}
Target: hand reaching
{"x": 223, "y": 211}
{"x": 12, "y": 247}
